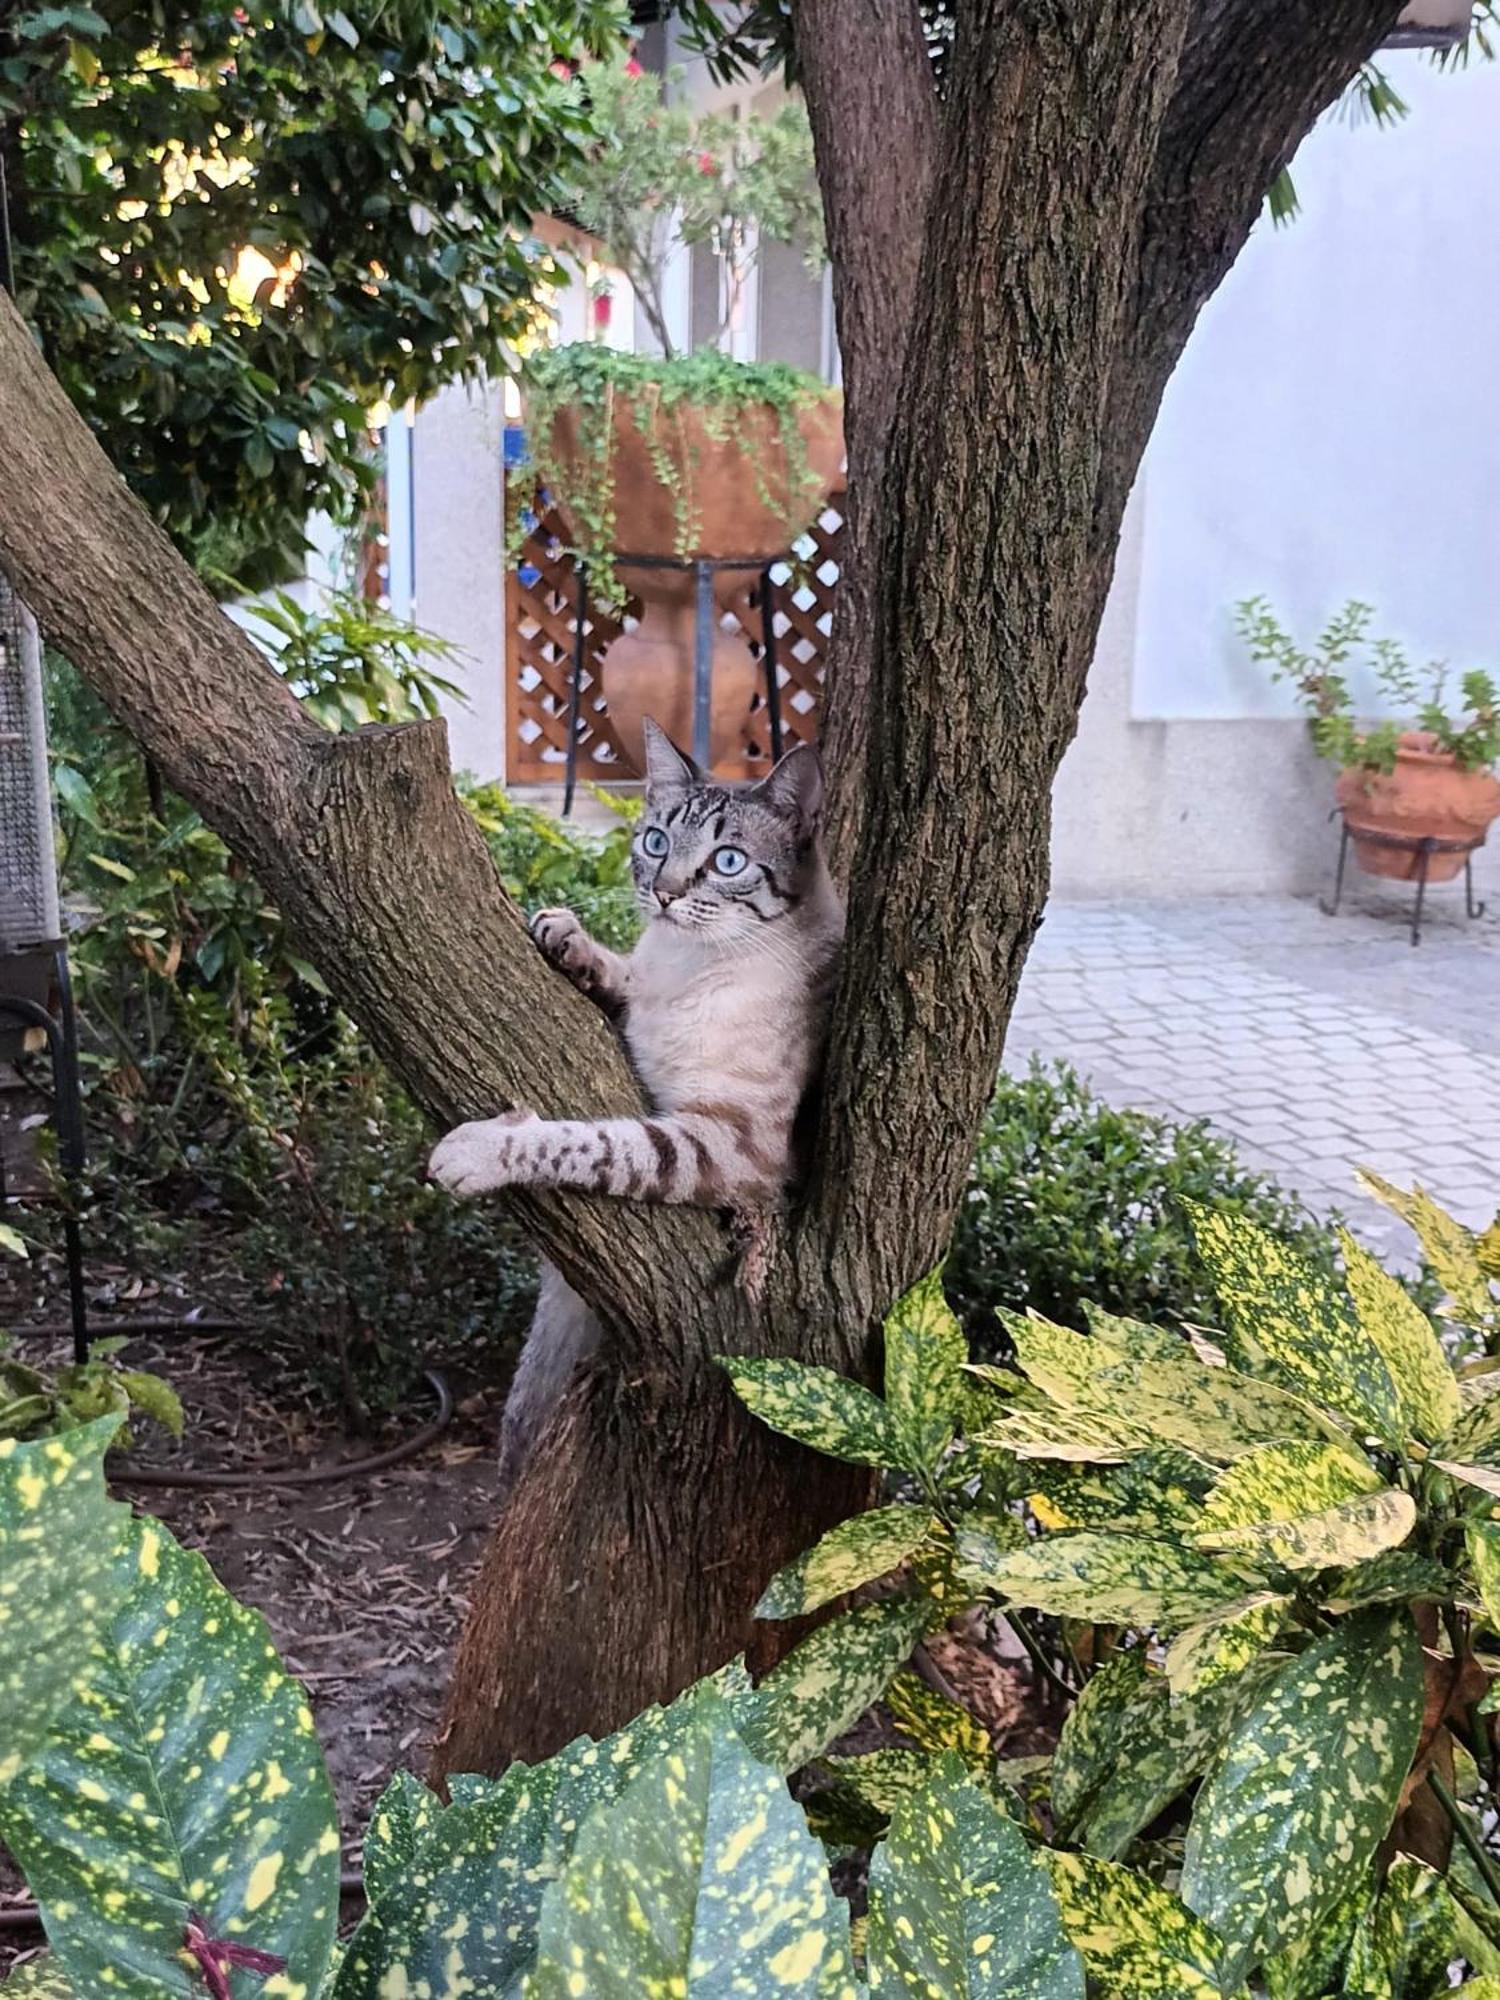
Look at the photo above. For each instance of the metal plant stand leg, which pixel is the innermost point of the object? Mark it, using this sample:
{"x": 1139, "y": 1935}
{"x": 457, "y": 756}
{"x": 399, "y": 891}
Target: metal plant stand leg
{"x": 1471, "y": 908}
{"x": 1424, "y": 857}
{"x": 62, "y": 1047}
{"x": 768, "y": 649}
{"x": 1332, "y": 909}
{"x": 575, "y": 688}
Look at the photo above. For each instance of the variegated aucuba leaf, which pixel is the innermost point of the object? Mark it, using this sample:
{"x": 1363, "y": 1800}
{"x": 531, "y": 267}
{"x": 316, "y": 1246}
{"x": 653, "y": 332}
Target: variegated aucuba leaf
{"x": 1315, "y": 1964}
{"x": 1487, "y": 1249}
{"x": 824, "y": 1685}
{"x": 1137, "y": 1941}
{"x": 1423, "y": 1374}
{"x": 1406, "y": 1939}
{"x": 1449, "y": 1248}
{"x": 1485, "y": 1478}
{"x": 183, "y": 1781}
{"x": 60, "y": 1534}
{"x": 1475, "y": 1438}
{"x": 959, "y": 1906}
{"x": 1107, "y": 1579}
{"x": 1220, "y": 1647}
{"x": 1127, "y": 1750}
{"x": 1351, "y": 1532}
{"x": 933, "y": 1722}
{"x": 1306, "y": 1788}
{"x": 1398, "y": 1576}
{"x": 856, "y": 1551}
{"x": 40, "y": 1979}
{"x": 701, "y": 1879}
{"x": 1147, "y": 1401}
{"x": 1135, "y": 1337}
{"x": 400, "y": 1821}
{"x": 880, "y": 1779}
{"x": 1487, "y": 1988}
{"x": 1055, "y": 1434}
{"x": 1158, "y": 1491}
{"x": 1279, "y": 1482}
{"x": 818, "y": 1408}
{"x": 925, "y": 1353}
{"x": 1482, "y": 1541}
{"x": 1285, "y": 1317}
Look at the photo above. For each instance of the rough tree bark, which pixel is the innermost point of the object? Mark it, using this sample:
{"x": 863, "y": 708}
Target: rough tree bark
{"x": 1096, "y": 168}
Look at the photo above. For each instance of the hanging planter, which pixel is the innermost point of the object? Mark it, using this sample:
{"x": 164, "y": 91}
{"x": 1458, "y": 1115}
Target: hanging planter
{"x": 671, "y": 462}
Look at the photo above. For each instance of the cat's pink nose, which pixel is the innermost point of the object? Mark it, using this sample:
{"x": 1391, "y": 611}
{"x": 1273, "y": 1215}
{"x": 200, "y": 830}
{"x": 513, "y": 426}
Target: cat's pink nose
{"x": 666, "y": 897}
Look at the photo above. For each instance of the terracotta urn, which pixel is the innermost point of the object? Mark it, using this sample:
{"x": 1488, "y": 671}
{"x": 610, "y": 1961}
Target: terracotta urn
{"x": 733, "y": 486}
{"x": 1428, "y": 796}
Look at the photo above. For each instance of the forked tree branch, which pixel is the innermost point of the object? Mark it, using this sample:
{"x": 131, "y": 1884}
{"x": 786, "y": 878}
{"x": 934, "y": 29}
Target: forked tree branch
{"x": 359, "y": 839}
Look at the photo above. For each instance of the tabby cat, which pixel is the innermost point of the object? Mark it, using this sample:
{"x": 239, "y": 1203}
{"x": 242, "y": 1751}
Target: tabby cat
{"x": 722, "y": 1007}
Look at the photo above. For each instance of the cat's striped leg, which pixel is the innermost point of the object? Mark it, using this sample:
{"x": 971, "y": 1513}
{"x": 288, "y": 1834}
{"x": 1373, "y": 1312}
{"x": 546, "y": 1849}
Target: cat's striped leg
{"x": 724, "y": 1160}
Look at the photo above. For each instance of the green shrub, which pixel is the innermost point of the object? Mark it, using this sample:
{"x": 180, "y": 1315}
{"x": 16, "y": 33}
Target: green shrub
{"x": 1072, "y": 1201}
{"x": 1221, "y": 1814}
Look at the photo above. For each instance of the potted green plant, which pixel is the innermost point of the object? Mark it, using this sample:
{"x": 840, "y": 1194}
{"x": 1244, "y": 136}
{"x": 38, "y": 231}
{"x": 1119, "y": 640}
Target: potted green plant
{"x": 1431, "y": 777}
{"x": 671, "y": 455}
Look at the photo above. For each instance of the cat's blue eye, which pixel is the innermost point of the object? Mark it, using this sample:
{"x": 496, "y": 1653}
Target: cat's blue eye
{"x": 731, "y": 860}
{"x": 654, "y": 842}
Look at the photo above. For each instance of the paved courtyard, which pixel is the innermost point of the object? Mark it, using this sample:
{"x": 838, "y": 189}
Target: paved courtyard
{"x": 1318, "y": 1043}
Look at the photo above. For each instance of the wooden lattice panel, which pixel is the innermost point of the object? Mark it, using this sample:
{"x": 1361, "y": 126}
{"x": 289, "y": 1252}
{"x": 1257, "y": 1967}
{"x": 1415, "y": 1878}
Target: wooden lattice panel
{"x": 541, "y": 597}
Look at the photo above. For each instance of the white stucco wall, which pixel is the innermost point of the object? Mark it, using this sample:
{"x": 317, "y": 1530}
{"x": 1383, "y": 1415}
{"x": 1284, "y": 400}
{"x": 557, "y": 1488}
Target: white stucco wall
{"x": 1328, "y": 434}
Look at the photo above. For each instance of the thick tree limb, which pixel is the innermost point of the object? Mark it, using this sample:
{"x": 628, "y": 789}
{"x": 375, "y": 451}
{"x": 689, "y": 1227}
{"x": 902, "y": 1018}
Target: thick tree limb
{"x": 874, "y": 116}
{"x": 359, "y": 838}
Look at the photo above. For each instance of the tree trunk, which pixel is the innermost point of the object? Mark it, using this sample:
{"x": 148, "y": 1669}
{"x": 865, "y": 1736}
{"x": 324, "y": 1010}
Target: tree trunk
{"x": 1098, "y": 168}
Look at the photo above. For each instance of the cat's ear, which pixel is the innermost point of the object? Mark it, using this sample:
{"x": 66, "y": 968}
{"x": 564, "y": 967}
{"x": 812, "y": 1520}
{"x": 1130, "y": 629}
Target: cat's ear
{"x": 668, "y": 773}
{"x": 795, "y": 788}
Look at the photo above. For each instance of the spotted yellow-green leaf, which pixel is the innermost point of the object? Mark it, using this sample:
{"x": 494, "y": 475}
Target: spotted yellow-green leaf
{"x": 1475, "y": 1438}
{"x": 935, "y": 1723}
{"x": 818, "y": 1408}
{"x": 184, "y": 1778}
{"x": 1219, "y": 1648}
{"x": 1133, "y": 1336}
{"x": 401, "y": 1820}
{"x": 701, "y": 1879}
{"x": 1137, "y": 1941}
{"x": 880, "y": 1779}
{"x": 959, "y": 1906}
{"x": 1108, "y": 1579}
{"x": 1482, "y": 1541}
{"x": 60, "y": 1534}
{"x": 855, "y": 1552}
{"x": 1056, "y": 1434}
{"x": 1306, "y": 1788}
{"x": 1485, "y": 1478}
{"x": 1128, "y": 1749}
{"x": 1487, "y": 1249}
{"x": 433, "y": 1901}
{"x": 1285, "y": 1316}
{"x": 1351, "y": 1532}
{"x": 822, "y": 1687}
{"x": 1487, "y": 1988}
{"x": 1449, "y": 1247}
{"x": 1282, "y": 1482}
{"x": 1400, "y": 1576}
{"x": 925, "y": 1352}
{"x": 1422, "y": 1373}
{"x": 1406, "y": 1938}
{"x": 39, "y": 1979}
{"x": 1145, "y": 1401}
{"x": 12, "y": 1242}
{"x": 1154, "y": 1492}
{"x": 1315, "y": 1964}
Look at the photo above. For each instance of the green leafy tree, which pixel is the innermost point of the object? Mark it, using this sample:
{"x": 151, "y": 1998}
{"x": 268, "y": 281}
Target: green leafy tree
{"x": 236, "y": 228}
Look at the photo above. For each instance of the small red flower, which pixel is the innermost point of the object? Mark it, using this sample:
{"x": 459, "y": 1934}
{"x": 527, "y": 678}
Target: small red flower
{"x": 602, "y": 306}
{"x": 707, "y": 164}
{"x": 562, "y": 69}
{"x": 216, "y": 1957}
{"x": 633, "y": 68}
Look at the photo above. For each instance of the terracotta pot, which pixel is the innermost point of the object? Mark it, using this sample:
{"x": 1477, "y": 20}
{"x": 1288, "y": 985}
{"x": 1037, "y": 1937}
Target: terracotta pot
{"x": 1427, "y": 796}
{"x": 742, "y": 500}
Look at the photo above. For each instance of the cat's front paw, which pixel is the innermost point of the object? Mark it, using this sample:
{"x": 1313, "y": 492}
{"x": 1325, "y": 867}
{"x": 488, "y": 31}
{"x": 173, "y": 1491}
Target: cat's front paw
{"x": 482, "y": 1156}
{"x": 561, "y": 940}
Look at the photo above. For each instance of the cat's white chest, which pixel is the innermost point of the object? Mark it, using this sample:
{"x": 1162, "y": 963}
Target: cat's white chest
{"x": 692, "y": 1017}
